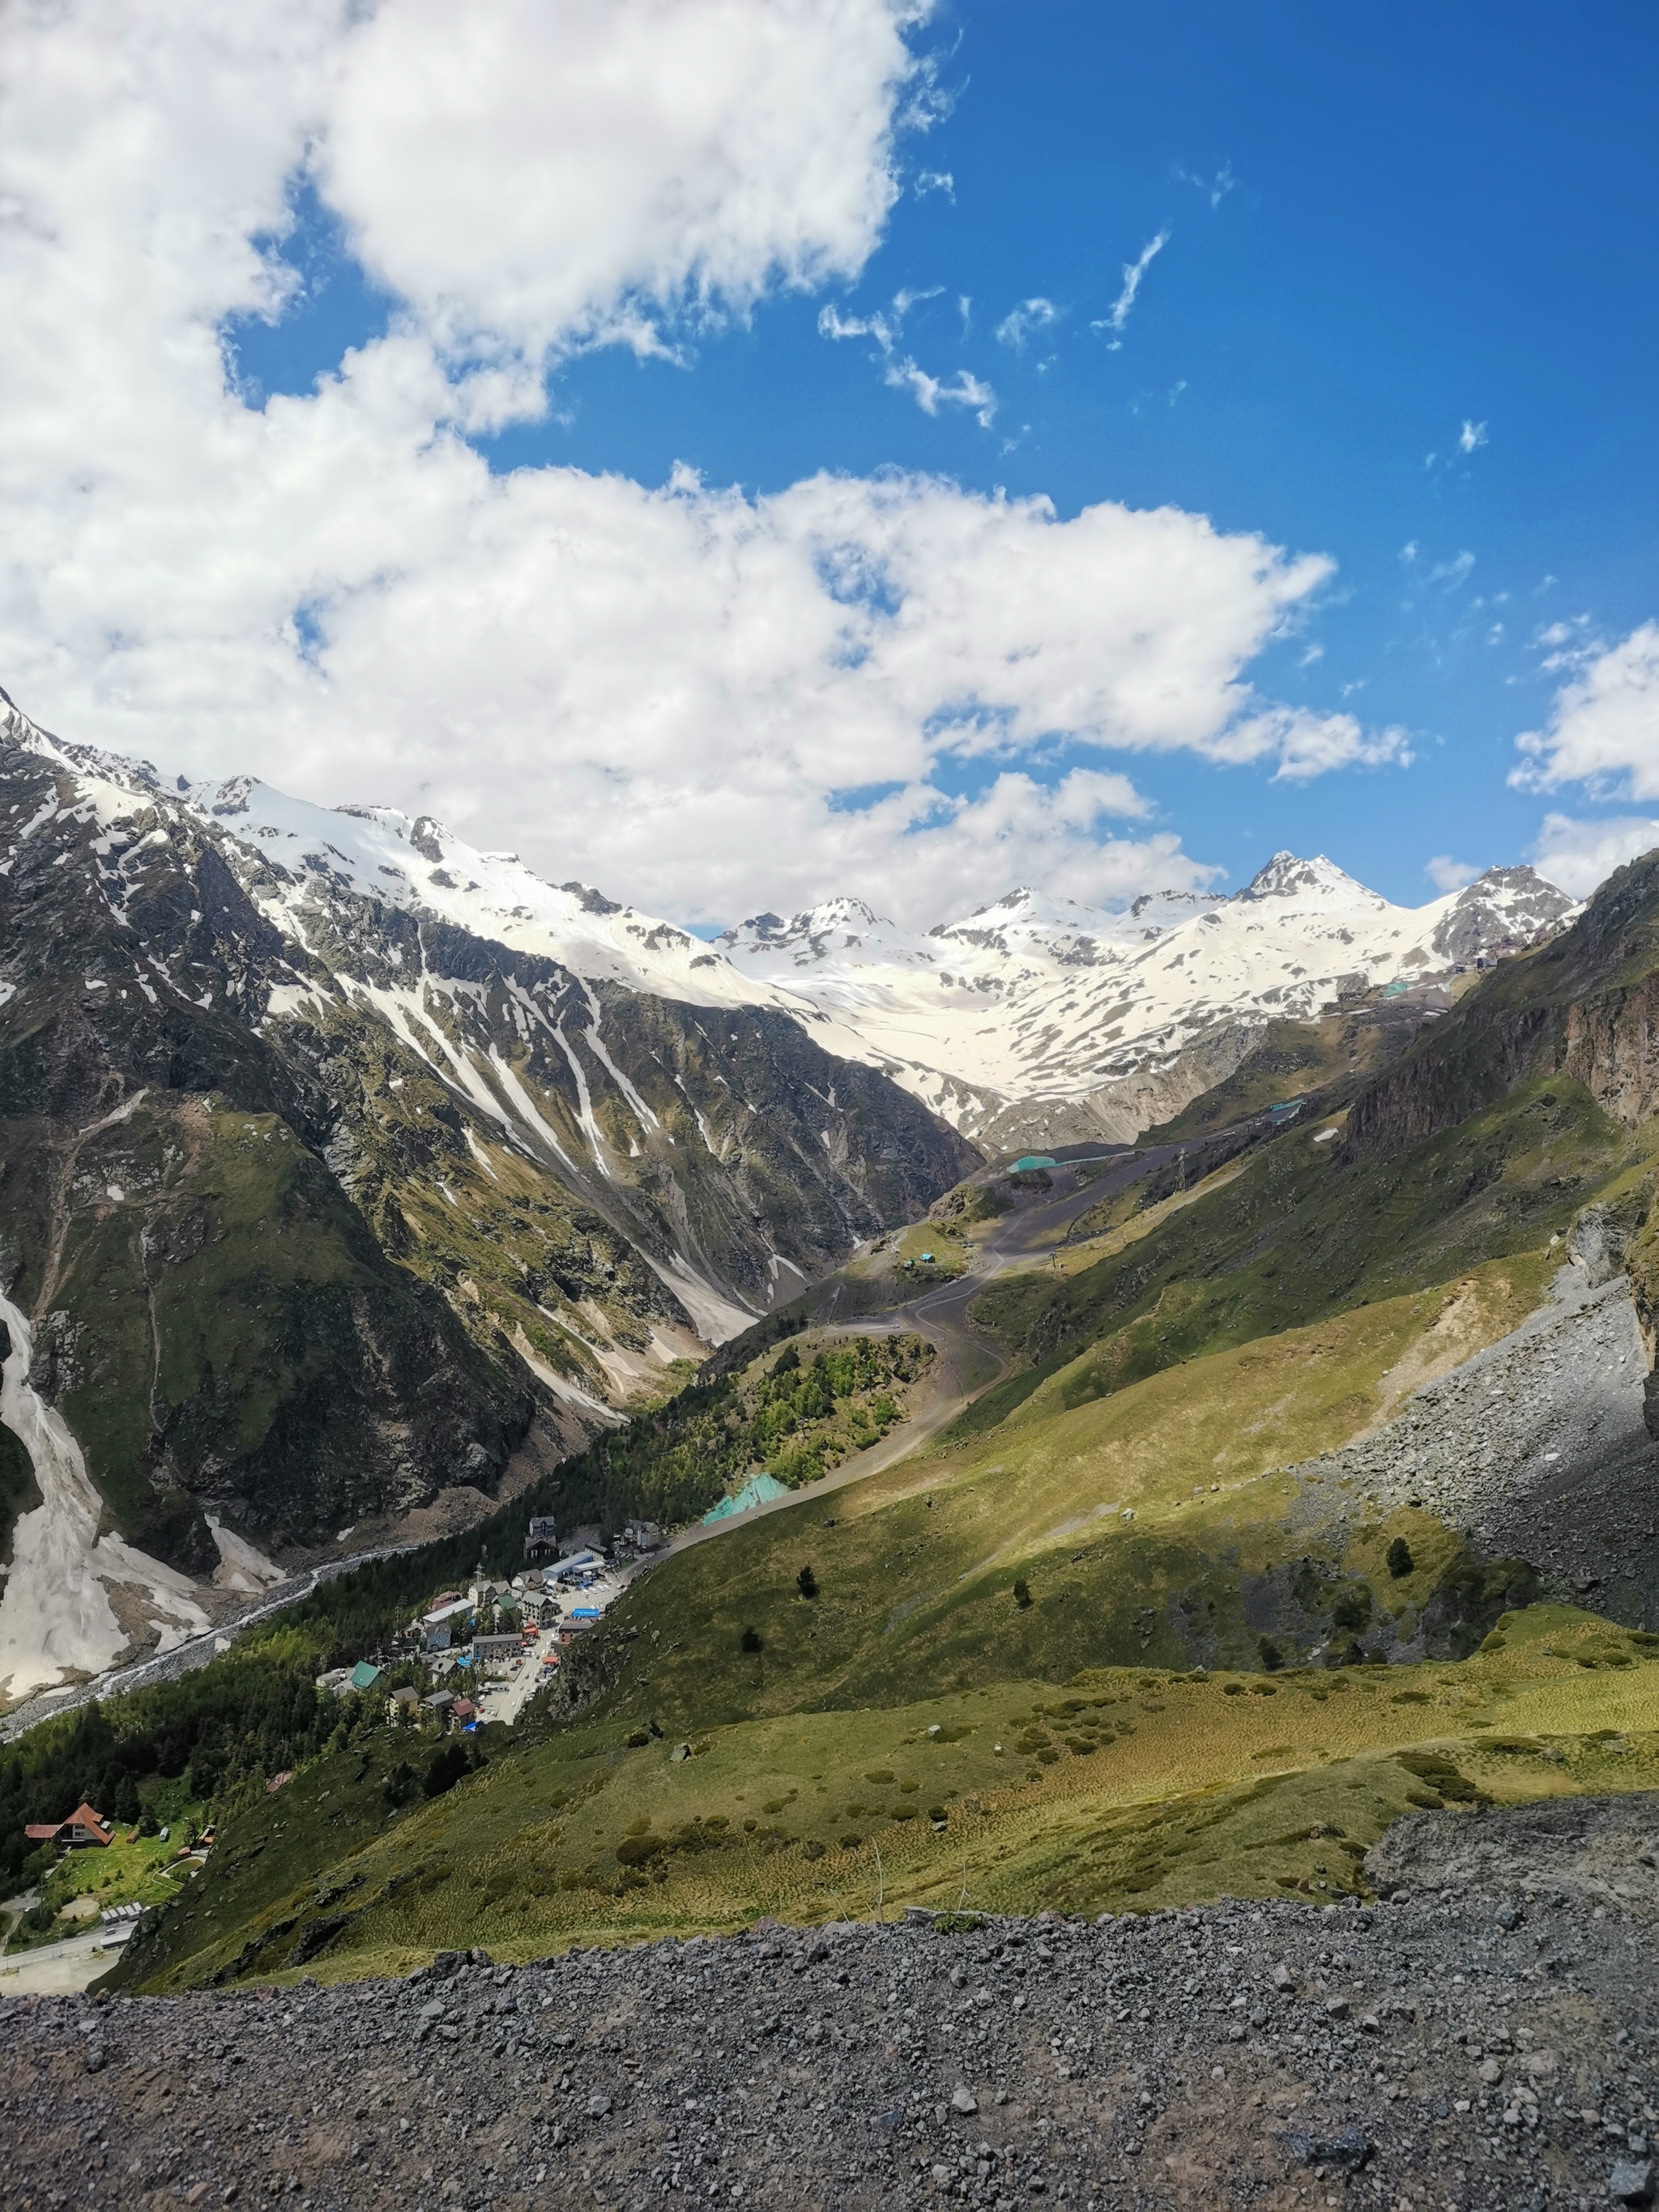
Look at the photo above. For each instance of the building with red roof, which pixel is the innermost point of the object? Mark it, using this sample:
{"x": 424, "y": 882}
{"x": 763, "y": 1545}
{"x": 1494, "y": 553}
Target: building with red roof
{"x": 82, "y": 1826}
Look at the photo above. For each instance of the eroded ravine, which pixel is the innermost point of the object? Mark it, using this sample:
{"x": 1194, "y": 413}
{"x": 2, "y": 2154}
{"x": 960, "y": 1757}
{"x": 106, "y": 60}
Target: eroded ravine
{"x": 57, "y": 1621}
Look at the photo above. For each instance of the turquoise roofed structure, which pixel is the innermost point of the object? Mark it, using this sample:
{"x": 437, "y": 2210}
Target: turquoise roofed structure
{"x": 759, "y": 1490}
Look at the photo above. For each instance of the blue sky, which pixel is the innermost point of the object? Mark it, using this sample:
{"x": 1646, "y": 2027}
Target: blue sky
{"x": 1403, "y": 313}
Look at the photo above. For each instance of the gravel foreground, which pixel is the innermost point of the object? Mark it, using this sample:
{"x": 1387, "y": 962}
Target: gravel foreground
{"x": 1491, "y": 2044}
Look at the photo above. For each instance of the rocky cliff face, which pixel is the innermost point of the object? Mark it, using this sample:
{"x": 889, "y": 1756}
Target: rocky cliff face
{"x": 316, "y": 1202}
{"x": 1583, "y": 1007}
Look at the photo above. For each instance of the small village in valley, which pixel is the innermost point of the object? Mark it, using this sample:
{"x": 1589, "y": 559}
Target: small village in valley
{"x": 470, "y": 1658}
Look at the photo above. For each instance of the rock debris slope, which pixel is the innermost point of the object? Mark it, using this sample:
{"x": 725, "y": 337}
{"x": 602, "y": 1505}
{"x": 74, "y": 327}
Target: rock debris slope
{"x": 1536, "y": 1449}
{"x": 1489, "y": 2042}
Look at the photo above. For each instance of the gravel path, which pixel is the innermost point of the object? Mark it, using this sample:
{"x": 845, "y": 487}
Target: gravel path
{"x": 1478, "y": 2048}
{"x": 1537, "y": 1450}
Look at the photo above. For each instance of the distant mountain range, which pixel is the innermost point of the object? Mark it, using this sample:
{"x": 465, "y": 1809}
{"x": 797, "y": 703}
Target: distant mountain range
{"x": 1037, "y": 1018}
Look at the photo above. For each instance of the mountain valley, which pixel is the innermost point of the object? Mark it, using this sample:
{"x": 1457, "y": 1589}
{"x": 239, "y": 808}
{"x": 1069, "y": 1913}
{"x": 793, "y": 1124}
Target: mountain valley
{"x": 326, "y": 1208}
{"x": 1143, "y": 1530}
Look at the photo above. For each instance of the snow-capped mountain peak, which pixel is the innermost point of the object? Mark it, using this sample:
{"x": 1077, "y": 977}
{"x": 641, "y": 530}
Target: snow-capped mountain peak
{"x": 1033, "y": 1005}
{"x": 1036, "y": 1015}
{"x": 1319, "y": 880}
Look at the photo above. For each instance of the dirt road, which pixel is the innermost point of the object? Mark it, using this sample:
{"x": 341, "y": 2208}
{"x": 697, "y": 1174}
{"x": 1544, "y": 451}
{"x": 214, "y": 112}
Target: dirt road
{"x": 967, "y": 1361}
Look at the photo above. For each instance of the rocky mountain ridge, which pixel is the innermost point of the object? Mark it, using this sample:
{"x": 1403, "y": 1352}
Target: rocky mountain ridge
{"x": 317, "y": 1204}
{"x": 1034, "y": 1019}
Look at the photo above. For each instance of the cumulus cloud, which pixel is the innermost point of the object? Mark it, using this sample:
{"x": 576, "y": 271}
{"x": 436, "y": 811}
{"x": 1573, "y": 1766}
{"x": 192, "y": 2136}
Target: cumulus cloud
{"x": 1604, "y": 728}
{"x": 1117, "y": 318}
{"x": 1471, "y": 437}
{"x": 521, "y": 173}
{"x": 1449, "y": 875}
{"x": 1578, "y": 854}
{"x": 1304, "y": 744}
{"x": 707, "y": 701}
{"x": 1020, "y": 831}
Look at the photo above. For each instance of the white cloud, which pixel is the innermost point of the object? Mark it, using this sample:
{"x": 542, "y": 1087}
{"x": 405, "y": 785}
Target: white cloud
{"x": 1134, "y": 275}
{"x": 1453, "y": 574}
{"x": 1215, "y": 189}
{"x": 679, "y": 692}
{"x": 523, "y": 175}
{"x": 930, "y": 393}
{"x": 1471, "y": 437}
{"x": 1578, "y": 855}
{"x": 901, "y": 370}
{"x": 1447, "y": 874}
{"x": 1604, "y": 728}
{"x": 832, "y": 324}
{"x": 1306, "y": 744}
{"x": 935, "y": 180}
{"x": 1018, "y": 325}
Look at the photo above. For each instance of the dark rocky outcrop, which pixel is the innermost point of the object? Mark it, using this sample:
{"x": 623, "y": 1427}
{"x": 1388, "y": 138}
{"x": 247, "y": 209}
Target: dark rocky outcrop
{"x": 1583, "y": 1007}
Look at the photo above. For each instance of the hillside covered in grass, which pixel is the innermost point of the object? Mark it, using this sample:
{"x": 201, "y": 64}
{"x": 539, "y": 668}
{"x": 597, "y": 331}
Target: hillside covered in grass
{"x": 1144, "y": 1626}
{"x": 791, "y": 1418}
{"x": 1124, "y": 1789}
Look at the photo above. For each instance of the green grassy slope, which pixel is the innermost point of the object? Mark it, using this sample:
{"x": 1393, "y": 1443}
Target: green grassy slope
{"x": 1097, "y": 1646}
{"x": 1148, "y": 1523}
{"x": 1328, "y": 1059}
{"x": 1304, "y": 1229}
{"x": 794, "y": 1416}
{"x": 1129, "y": 1787}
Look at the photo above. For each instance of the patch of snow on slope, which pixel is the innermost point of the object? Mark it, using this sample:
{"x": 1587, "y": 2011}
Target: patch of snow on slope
{"x": 241, "y": 1565}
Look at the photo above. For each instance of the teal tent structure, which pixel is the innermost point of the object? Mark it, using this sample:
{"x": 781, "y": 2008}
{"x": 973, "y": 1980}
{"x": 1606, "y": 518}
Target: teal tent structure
{"x": 759, "y": 1490}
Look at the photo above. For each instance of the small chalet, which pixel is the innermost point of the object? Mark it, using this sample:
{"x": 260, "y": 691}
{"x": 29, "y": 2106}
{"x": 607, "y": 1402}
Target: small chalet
{"x": 363, "y": 1676}
{"x": 401, "y": 1702}
{"x": 462, "y": 1712}
{"x": 82, "y": 1828}
{"x": 541, "y": 1540}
